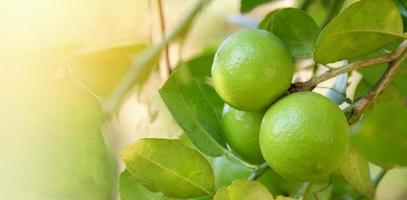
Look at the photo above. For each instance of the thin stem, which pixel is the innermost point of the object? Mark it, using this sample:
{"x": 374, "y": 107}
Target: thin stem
{"x": 310, "y": 84}
{"x": 379, "y": 177}
{"x": 303, "y": 190}
{"x": 232, "y": 157}
{"x": 355, "y": 110}
{"x": 260, "y": 170}
{"x": 162, "y": 27}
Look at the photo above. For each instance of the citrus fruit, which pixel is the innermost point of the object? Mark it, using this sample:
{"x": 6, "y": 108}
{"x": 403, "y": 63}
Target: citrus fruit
{"x": 304, "y": 137}
{"x": 241, "y": 129}
{"x": 251, "y": 69}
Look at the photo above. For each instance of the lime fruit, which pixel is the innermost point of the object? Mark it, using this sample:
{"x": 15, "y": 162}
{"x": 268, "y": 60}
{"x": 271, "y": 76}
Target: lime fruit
{"x": 304, "y": 137}
{"x": 241, "y": 129}
{"x": 251, "y": 69}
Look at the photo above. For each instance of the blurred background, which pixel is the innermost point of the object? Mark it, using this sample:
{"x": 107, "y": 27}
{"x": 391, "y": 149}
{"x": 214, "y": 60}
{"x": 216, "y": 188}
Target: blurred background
{"x": 50, "y": 143}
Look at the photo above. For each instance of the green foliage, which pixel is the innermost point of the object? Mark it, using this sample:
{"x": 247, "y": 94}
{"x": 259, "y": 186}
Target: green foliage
{"x": 351, "y": 33}
{"x": 380, "y": 136}
{"x": 355, "y": 169}
{"x": 303, "y": 136}
{"x": 248, "y": 5}
{"x": 195, "y": 105}
{"x": 150, "y": 162}
{"x": 242, "y": 189}
{"x": 297, "y": 29}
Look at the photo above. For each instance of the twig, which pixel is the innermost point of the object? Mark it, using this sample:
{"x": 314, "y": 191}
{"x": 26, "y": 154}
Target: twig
{"x": 162, "y": 26}
{"x": 310, "y": 84}
{"x": 355, "y": 110}
{"x": 260, "y": 170}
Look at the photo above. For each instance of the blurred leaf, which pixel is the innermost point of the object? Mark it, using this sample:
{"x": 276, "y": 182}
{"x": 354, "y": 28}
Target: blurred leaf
{"x": 361, "y": 28}
{"x": 393, "y": 185}
{"x": 297, "y": 29}
{"x": 102, "y": 70}
{"x": 195, "y": 105}
{"x": 52, "y": 140}
{"x": 278, "y": 185}
{"x": 243, "y": 189}
{"x": 381, "y": 135}
{"x": 337, "y": 92}
{"x": 355, "y": 169}
{"x": 283, "y": 198}
{"x": 130, "y": 189}
{"x": 248, "y": 5}
{"x": 373, "y": 73}
{"x": 226, "y": 171}
{"x": 152, "y": 163}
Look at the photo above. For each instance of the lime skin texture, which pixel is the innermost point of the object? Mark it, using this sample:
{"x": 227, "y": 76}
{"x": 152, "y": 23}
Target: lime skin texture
{"x": 241, "y": 129}
{"x": 304, "y": 137}
{"x": 251, "y": 69}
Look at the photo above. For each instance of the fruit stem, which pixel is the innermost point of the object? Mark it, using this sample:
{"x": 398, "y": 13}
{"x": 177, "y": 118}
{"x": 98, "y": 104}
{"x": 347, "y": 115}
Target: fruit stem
{"x": 260, "y": 170}
{"x": 303, "y": 191}
{"x": 232, "y": 157}
{"x": 355, "y": 109}
{"x": 310, "y": 84}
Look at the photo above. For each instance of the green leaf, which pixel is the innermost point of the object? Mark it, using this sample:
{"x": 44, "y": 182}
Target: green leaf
{"x": 130, "y": 189}
{"x": 355, "y": 169}
{"x": 169, "y": 167}
{"x": 361, "y": 28}
{"x": 381, "y": 135}
{"x": 195, "y": 105}
{"x": 297, "y": 29}
{"x": 243, "y": 189}
{"x": 102, "y": 70}
{"x": 248, "y": 5}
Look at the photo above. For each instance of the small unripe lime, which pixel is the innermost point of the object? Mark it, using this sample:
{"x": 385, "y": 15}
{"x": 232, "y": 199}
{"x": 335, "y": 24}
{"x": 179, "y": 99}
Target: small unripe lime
{"x": 241, "y": 129}
{"x": 304, "y": 137}
{"x": 251, "y": 69}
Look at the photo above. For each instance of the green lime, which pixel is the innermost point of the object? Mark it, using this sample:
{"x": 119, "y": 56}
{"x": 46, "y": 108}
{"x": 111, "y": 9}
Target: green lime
{"x": 251, "y": 69}
{"x": 241, "y": 129}
{"x": 304, "y": 137}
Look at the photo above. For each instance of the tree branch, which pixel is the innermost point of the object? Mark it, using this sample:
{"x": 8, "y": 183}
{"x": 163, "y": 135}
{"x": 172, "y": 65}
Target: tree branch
{"x": 361, "y": 104}
{"x": 260, "y": 170}
{"x": 310, "y": 84}
{"x": 166, "y": 69}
